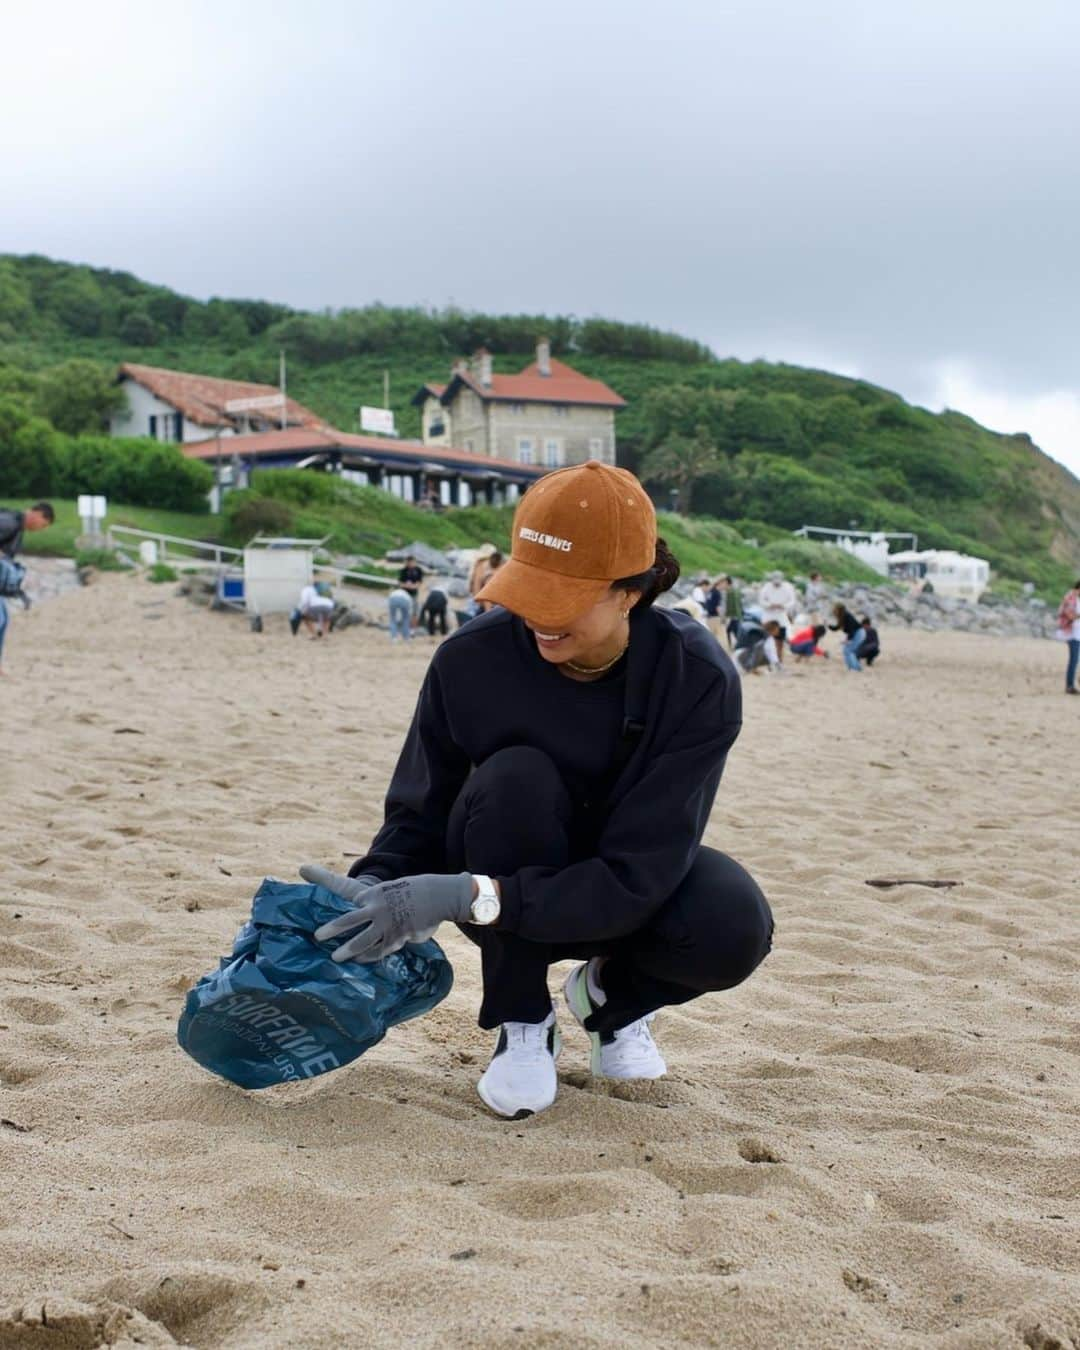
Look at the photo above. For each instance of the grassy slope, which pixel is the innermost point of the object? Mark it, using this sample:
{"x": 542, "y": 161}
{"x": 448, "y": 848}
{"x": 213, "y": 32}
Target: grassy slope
{"x": 59, "y": 538}
{"x": 366, "y": 522}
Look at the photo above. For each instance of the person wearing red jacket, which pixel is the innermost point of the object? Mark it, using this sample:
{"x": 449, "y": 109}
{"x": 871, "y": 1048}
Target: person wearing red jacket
{"x": 805, "y": 642}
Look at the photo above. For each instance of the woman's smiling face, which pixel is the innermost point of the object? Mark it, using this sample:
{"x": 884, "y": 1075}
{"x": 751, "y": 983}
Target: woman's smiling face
{"x": 592, "y": 638}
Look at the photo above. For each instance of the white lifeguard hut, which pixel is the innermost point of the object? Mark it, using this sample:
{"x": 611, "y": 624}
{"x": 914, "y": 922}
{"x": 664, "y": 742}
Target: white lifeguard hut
{"x": 957, "y": 576}
{"x": 275, "y": 572}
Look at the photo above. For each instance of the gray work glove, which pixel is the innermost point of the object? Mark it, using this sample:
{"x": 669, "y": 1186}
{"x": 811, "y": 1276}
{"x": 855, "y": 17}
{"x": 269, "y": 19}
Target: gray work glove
{"x": 390, "y": 913}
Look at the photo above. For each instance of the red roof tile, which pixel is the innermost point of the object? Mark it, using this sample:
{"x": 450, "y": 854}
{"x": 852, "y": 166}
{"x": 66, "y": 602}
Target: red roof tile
{"x": 563, "y": 385}
{"x": 202, "y": 398}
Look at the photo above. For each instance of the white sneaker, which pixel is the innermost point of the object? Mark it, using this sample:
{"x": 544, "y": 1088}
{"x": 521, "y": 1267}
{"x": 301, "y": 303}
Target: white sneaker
{"x": 521, "y": 1079}
{"x": 629, "y": 1052}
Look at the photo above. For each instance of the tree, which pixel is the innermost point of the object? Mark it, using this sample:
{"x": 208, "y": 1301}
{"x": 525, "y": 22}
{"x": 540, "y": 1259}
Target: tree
{"x": 682, "y": 461}
{"x": 78, "y": 396}
{"x": 140, "y": 329}
{"x": 28, "y": 447}
{"x": 78, "y": 303}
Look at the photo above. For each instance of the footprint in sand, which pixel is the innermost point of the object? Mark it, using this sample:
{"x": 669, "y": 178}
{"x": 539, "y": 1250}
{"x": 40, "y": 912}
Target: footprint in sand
{"x": 65, "y": 1322}
{"x": 197, "y": 1307}
{"x": 38, "y": 1011}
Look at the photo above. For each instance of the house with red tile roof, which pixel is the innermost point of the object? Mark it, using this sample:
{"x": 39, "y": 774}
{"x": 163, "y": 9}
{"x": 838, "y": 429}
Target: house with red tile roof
{"x": 175, "y": 405}
{"x": 548, "y": 414}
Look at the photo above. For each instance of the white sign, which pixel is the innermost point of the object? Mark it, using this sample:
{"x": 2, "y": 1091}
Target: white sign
{"x": 92, "y": 508}
{"x": 380, "y": 420}
{"x": 236, "y": 405}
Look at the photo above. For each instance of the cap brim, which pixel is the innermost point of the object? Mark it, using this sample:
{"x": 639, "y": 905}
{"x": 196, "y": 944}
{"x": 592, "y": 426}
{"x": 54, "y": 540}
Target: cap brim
{"x": 545, "y": 598}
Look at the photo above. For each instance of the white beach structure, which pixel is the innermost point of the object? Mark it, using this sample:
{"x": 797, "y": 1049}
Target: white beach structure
{"x": 956, "y": 576}
{"x": 869, "y": 546}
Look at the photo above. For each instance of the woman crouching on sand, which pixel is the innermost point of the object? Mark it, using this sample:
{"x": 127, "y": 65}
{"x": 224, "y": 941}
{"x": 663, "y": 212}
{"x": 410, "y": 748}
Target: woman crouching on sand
{"x": 552, "y": 794}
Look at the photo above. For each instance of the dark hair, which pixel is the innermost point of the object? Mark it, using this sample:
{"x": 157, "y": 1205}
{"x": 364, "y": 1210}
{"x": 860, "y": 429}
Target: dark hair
{"x": 660, "y": 577}
{"x": 819, "y": 631}
{"x": 771, "y": 626}
{"x": 45, "y": 509}
{"x": 495, "y": 559}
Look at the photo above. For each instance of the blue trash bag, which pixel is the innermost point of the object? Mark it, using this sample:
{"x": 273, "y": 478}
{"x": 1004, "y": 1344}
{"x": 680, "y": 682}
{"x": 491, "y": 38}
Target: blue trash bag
{"x": 279, "y": 1010}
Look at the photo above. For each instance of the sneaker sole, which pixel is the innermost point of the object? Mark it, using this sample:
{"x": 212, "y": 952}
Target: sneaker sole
{"x": 576, "y": 994}
{"x": 525, "y": 1111}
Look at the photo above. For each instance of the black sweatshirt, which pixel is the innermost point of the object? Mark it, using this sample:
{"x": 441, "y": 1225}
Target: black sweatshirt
{"x": 488, "y": 688}
{"x": 848, "y": 622}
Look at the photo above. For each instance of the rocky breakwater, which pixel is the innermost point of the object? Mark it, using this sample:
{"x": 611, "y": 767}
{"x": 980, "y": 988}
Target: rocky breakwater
{"x": 994, "y": 616}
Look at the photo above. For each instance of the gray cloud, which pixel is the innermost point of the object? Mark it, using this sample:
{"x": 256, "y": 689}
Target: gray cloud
{"x": 889, "y": 187}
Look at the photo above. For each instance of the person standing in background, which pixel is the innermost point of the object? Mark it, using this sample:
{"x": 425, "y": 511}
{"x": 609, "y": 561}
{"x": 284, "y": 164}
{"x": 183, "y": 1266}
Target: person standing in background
{"x": 815, "y": 594}
{"x": 1069, "y": 631}
{"x": 13, "y": 524}
{"x": 777, "y": 599}
{"x": 714, "y": 608}
{"x": 409, "y": 578}
{"x": 733, "y": 608}
{"x": 483, "y": 576}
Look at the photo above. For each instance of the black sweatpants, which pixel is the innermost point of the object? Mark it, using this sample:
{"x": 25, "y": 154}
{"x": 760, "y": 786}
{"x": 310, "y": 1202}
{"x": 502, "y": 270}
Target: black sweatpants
{"x": 711, "y": 933}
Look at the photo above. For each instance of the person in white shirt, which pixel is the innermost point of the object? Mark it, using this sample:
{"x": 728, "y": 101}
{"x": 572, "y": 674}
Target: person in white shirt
{"x": 314, "y": 610}
{"x": 778, "y": 600}
{"x": 700, "y": 593}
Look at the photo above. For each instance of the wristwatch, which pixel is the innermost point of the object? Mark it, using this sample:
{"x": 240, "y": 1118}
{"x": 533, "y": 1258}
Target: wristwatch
{"x": 485, "y": 908}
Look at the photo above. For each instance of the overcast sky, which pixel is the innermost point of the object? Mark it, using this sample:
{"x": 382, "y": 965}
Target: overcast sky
{"x": 887, "y": 188}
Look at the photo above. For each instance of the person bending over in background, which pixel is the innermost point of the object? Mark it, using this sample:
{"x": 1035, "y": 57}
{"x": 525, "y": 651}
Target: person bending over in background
{"x": 871, "y": 647}
{"x": 314, "y": 610}
{"x": 13, "y": 524}
{"x": 854, "y": 634}
{"x": 757, "y": 646}
{"x": 433, "y": 611}
{"x": 552, "y": 794}
{"x": 805, "y": 642}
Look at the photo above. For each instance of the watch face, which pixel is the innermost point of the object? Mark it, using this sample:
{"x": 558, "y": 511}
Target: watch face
{"x": 485, "y": 909}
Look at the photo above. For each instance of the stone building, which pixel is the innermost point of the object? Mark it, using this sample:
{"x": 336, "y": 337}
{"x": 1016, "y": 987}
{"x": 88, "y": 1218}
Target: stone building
{"x": 547, "y": 415}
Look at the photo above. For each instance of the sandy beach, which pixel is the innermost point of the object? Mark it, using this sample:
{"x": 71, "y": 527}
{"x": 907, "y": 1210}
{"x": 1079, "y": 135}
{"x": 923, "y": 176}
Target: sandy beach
{"x": 873, "y": 1142}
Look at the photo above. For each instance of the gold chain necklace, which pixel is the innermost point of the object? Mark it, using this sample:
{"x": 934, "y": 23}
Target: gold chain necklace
{"x": 598, "y": 670}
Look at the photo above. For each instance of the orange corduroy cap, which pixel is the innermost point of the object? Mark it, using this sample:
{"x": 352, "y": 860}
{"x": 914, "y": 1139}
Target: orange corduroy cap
{"x": 575, "y": 532}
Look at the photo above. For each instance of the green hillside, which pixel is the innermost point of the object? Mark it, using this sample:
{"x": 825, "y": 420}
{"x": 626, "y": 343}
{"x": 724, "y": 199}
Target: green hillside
{"x": 786, "y": 446}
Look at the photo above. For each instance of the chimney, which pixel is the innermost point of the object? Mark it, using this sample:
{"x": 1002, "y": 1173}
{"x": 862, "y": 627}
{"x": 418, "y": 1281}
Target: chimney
{"x": 543, "y": 356}
{"x": 482, "y": 366}
{"x": 460, "y": 366}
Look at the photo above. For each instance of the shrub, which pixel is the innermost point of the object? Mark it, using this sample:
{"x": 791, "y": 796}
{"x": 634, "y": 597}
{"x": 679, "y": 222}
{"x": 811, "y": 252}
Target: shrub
{"x": 104, "y": 559}
{"x": 162, "y": 572}
{"x": 247, "y": 514}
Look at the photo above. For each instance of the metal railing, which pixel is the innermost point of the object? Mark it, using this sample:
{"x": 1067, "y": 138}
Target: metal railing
{"x": 220, "y": 555}
{"x": 217, "y": 552}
